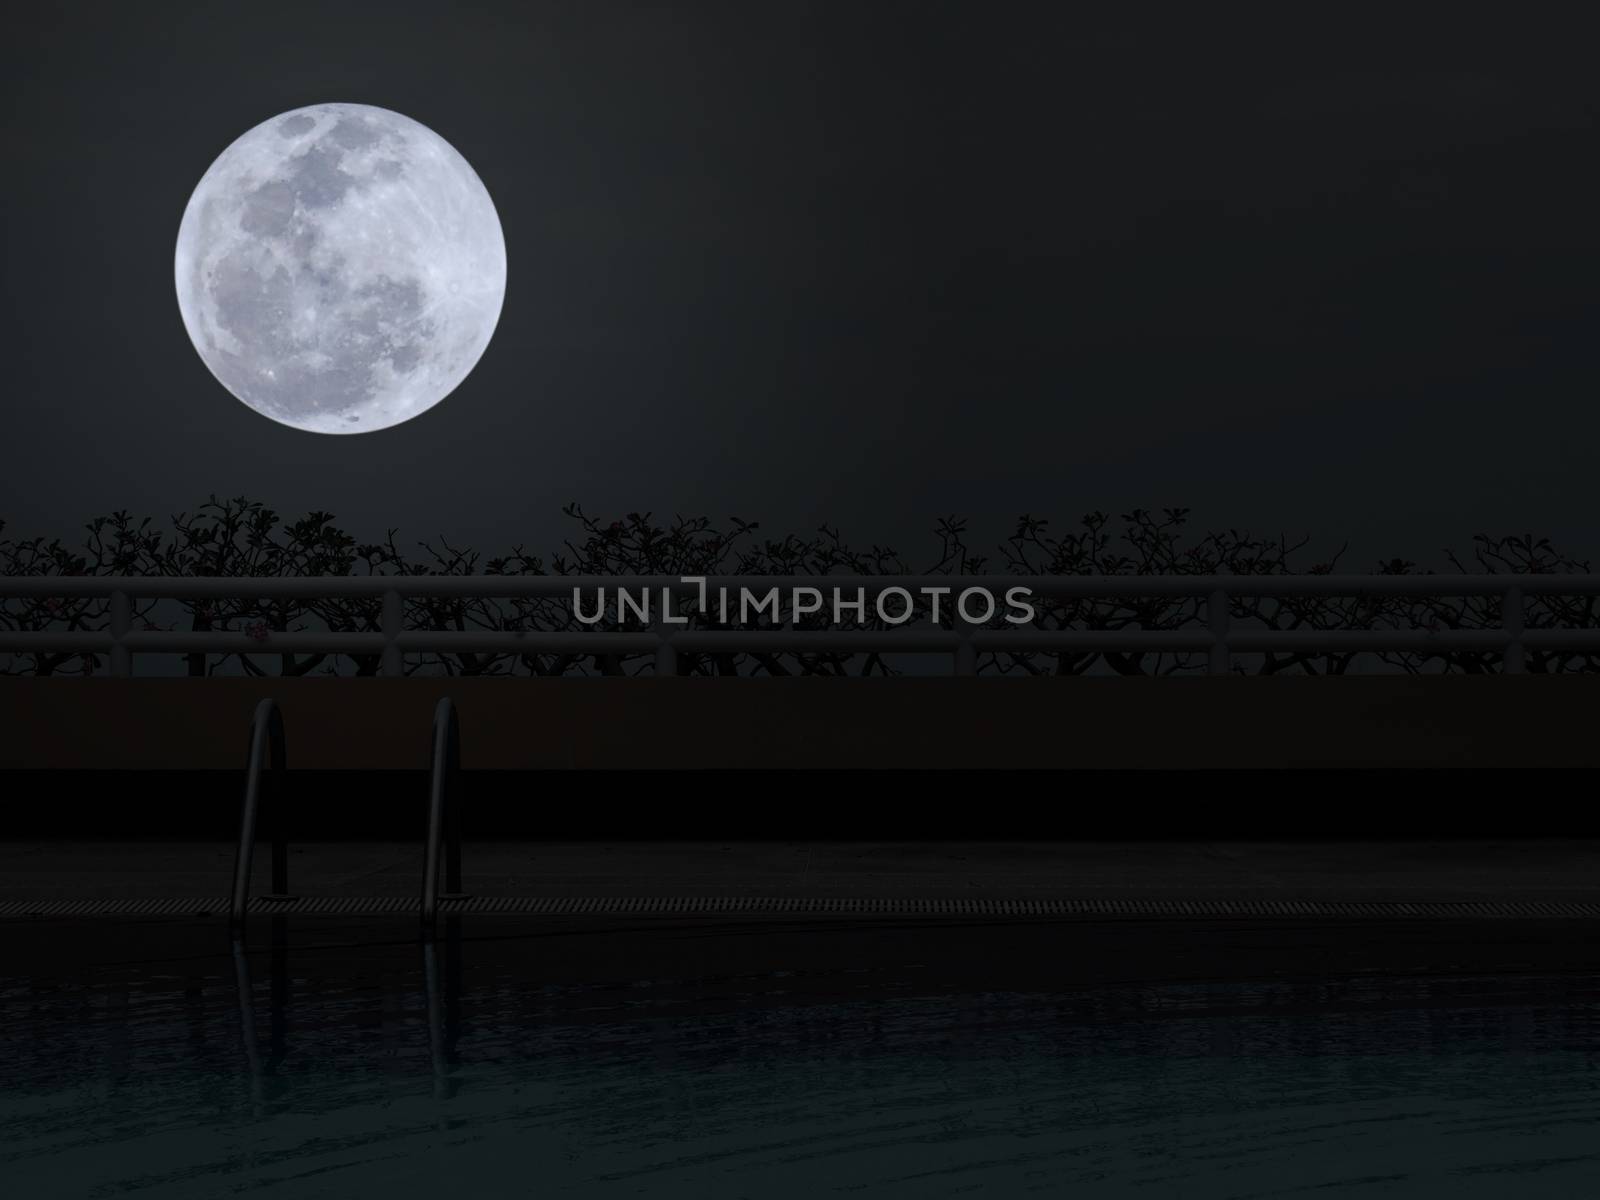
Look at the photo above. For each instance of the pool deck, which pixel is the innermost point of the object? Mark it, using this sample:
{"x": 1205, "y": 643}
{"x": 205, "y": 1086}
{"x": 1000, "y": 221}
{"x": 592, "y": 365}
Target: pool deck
{"x": 1520, "y": 870}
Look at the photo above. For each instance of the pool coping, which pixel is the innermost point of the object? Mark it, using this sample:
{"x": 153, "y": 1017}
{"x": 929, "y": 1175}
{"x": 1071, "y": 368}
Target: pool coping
{"x": 808, "y": 906}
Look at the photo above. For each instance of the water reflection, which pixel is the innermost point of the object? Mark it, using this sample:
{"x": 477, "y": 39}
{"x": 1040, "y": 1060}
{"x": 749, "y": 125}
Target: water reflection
{"x": 441, "y": 992}
{"x": 403, "y": 1067}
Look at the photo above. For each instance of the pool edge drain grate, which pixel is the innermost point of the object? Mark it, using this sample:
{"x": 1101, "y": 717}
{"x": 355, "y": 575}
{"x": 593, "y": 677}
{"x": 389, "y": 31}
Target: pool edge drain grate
{"x": 743, "y": 906}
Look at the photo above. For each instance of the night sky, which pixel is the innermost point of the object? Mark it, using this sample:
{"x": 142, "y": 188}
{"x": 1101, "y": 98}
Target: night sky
{"x": 1293, "y": 268}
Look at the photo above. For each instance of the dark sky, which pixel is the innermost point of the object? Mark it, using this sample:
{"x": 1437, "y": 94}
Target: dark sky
{"x": 866, "y": 263}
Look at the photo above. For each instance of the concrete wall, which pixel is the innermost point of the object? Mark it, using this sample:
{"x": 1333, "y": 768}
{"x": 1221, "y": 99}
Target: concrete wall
{"x": 510, "y": 724}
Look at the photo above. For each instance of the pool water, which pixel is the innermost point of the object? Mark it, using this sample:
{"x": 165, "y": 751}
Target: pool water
{"x": 779, "y": 1059}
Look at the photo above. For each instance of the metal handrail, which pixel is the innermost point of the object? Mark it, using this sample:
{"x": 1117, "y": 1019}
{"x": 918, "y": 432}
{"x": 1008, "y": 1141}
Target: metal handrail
{"x": 266, "y": 749}
{"x": 492, "y": 586}
{"x": 1218, "y": 635}
{"x": 444, "y": 812}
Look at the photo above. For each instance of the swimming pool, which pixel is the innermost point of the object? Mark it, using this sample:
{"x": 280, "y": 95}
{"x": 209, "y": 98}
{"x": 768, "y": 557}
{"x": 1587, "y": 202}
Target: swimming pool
{"x": 778, "y": 1059}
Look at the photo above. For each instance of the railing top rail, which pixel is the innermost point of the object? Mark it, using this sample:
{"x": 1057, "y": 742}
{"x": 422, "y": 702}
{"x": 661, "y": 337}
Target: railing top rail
{"x": 1066, "y": 586}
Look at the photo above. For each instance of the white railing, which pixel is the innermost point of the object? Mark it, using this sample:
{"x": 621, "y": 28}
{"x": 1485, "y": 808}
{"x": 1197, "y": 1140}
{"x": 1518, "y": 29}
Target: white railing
{"x": 1219, "y": 638}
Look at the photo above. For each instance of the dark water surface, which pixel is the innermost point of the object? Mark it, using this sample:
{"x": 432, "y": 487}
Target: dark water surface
{"x": 802, "y": 1058}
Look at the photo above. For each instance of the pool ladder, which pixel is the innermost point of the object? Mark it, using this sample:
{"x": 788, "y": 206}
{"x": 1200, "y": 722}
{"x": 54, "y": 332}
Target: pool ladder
{"x": 268, "y": 759}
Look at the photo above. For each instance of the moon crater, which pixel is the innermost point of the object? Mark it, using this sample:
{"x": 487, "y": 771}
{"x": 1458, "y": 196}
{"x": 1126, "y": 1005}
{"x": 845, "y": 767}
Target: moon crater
{"x": 340, "y": 268}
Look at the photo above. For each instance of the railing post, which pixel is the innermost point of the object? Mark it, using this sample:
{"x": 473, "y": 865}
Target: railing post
{"x": 121, "y": 623}
{"x": 966, "y": 656}
{"x": 1219, "y": 619}
{"x": 1511, "y": 620}
{"x": 666, "y": 652}
{"x": 393, "y": 618}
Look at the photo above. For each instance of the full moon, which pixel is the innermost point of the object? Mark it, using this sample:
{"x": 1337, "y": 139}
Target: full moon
{"x": 340, "y": 268}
